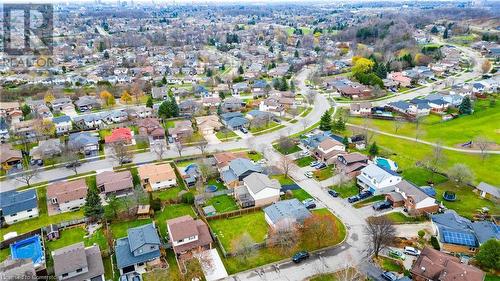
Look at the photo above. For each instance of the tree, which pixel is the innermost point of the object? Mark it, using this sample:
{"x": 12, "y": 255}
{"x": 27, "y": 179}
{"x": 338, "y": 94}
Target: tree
{"x": 107, "y": 98}
{"x": 29, "y": 174}
{"x": 465, "y": 107}
{"x": 320, "y": 229}
{"x": 483, "y": 144}
{"x": 179, "y": 147}
{"x": 26, "y": 110}
{"x": 243, "y": 247}
{"x": 445, "y": 34}
{"x": 373, "y": 149}
{"x": 163, "y": 110}
{"x": 93, "y": 207}
{"x": 159, "y": 148}
{"x": 381, "y": 233}
{"x": 121, "y": 152}
{"x": 240, "y": 70}
{"x": 284, "y": 237}
{"x": 310, "y": 97}
{"x": 461, "y": 174}
{"x": 434, "y": 30}
{"x": 202, "y": 146}
{"x": 45, "y": 127}
{"x": 325, "y": 123}
{"x": 70, "y": 155}
{"x": 339, "y": 124}
{"x": 126, "y": 98}
{"x": 361, "y": 65}
{"x": 111, "y": 209}
{"x": 49, "y": 97}
{"x": 437, "y": 158}
{"x": 285, "y": 143}
{"x": 305, "y": 123}
{"x": 296, "y": 54}
{"x": 489, "y": 255}
{"x": 286, "y": 165}
{"x": 149, "y": 102}
{"x": 398, "y": 123}
{"x": 486, "y": 66}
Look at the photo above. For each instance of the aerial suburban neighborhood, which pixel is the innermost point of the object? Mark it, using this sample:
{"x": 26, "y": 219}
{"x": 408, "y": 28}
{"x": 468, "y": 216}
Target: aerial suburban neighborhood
{"x": 272, "y": 140}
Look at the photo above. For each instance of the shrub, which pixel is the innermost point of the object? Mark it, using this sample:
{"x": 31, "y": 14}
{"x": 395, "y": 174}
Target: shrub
{"x": 156, "y": 204}
{"x": 187, "y": 198}
{"x": 435, "y": 243}
{"x": 421, "y": 233}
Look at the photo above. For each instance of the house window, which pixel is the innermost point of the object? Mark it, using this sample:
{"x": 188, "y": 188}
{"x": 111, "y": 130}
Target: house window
{"x": 180, "y": 241}
{"x": 29, "y": 210}
{"x": 65, "y": 275}
{"x": 152, "y": 247}
{"x": 13, "y": 215}
{"x": 79, "y": 270}
{"x": 140, "y": 264}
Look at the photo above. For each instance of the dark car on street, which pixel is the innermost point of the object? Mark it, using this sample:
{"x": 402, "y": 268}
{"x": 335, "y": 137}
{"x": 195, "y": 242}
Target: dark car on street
{"x": 300, "y": 256}
{"x": 353, "y": 199}
{"x": 382, "y": 205}
{"x": 364, "y": 195}
{"x": 333, "y": 193}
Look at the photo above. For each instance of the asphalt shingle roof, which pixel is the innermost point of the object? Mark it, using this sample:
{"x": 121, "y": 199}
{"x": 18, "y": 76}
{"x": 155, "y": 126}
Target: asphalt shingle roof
{"x": 12, "y": 202}
{"x": 291, "y": 209}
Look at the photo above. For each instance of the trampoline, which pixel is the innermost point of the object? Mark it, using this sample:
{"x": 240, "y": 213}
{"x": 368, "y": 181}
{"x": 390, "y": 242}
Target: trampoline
{"x": 211, "y": 188}
{"x": 29, "y": 248}
{"x": 449, "y": 196}
{"x": 387, "y": 164}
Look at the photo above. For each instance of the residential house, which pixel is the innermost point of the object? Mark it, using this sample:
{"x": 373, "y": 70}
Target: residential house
{"x": 9, "y": 157}
{"x": 312, "y": 141}
{"x": 140, "y": 111}
{"x": 415, "y": 200}
{"x": 208, "y": 124}
{"x": 6, "y": 108}
{"x": 400, "y": 79}
{"x": 118, "y": 184}
{"x": 410, "y": 109}
{"x": 140, "y": 248}
{"x": 58, "y": 105}
{"x": 437, "y": 266}
{"x": 88, "y": 121}
{"x": 488, "y": 191}
{"x": 233, "y": 120}
{"x": 239, "y": 88}
{"x": 457, "y": 234}
{"x": 350, "y": 89}
{"x": 211, "y": 101}
{"x": 85, "y": 143}
{"x": 363, "y": 108}
{"x": 63, "y": 124}
{"x": 377, "y": 180}
{"x": 154, "y": 177}
{"x": 258, "y": 190}
{"x": 151, "y": 127}
{"x": 18, "y": 269}
{"x": 119, "y": 135}
{"x": 159, "y": 93}
{"x": 237, "y": 170}
{"x": 328, "y": 150}
{"x": 222, "y": 159}
{"x": 259, "y": 88}
{"x": 25, "y": 128}
{"x": 189, "y": 107}
{"x": 86, "y": 103}
{"x": 273, "y": 105}
{"x": 285, "y": 213}
{"x": 17, "y": 206}
{"x": 188, "y": 235}
{"x": 232, "y": 104}
{"x": 46, "y": 149}
{"x": 4, "y": 130}
{"x": 78, "y": 263}
{"x": 67, "y": 196}
{"x": 350, "y": 164}
{"x": 182, "y": 130}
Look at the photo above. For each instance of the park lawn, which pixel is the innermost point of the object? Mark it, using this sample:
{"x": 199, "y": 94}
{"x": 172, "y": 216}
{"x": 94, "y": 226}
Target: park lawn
{"x": 223, "y": 135}
{"x": 301, "y": 194}
{"x": 254, "y": 156}
{"x": 452, "y": 132}
{"x": 168, "y": 193}
{"x": 419, "y": 176}
{"x": 227, "y": 230}
{"x": 283, "y": 180}
{"x": 347, "y": 189}
{"x": 467, "y": 203}
{"x": 323, "y": 174}
{"x": 287, "y": 151}
{"x": 400, "y": 218}
{"x": 170, "y": 212}
{"x": 388, "y": 264}
{"x": 43, "y": 219}
{"x": 222, "y": 203}
{"x": 368, "y": 201}
{"x": 119, "y": 228}
{"x": 304, "y": 161}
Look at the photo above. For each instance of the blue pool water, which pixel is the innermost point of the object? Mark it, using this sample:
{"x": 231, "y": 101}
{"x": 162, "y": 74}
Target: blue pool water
{"x": 386, "y": 164}
{"x": 211, "y": 188}
{"x": 29, "y": 248}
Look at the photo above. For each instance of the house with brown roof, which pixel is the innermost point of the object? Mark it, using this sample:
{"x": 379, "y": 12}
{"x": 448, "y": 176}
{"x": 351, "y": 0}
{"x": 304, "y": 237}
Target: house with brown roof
{"x": 362, "y": 108}
{"x": 182, "y": 130}
{"x": 350, "y": 164}
{"x": 67, "y": 196}
{"x": 188, "y": 235}
{"x": 8, "y": 156}
{"x": 118, "y": 184}
{"x": 414, "y": 199}
{"x": 438, "y": 266}
{"x": 208, "y": 124}
{"x": 78, "y": 263}
{"x": 222, "y": 159}
{"x": 328, "y": 149}
{"x": 151, "y": 127}
{"x": 155, "y": 177}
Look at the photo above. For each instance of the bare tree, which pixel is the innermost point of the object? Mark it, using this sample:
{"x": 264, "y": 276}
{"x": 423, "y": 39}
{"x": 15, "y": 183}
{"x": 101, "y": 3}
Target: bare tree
{"x": 121, "y": 152}
{"x": 305, "y": 123}
{"x": 243, "y": 247}
{"x": 251, "y": 143}
{"x": 310, "y": 96}
{"x": 483, "y": 144}
{"x": 436, "y": 159}
{"x": 202, "y": 146}
{"x": 179, "y": 147}
{"x": 381, "y": 233}
{"x": 285, "y": 143}
{"x": 28, "y": 175}
{"x": 159, "y": 148}
{"x": 70, "y": 155}
{"x": 284, "y": 237}
{"x": 398, "y": 123}
{"x": 461, "y": 174}
{"x": 286, "y": 165}
{"x": 418, "y": 127}
{"x": 367, "y": 129}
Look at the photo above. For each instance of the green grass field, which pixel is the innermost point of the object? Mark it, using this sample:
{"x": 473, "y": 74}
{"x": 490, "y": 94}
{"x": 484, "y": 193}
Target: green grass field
{"x": 400, "y": 218}
{"x": 347, "y": 189}
{"x": 170, "y": 212}
{"x": 222, "y": 203}
{"x": 304, "y": 161}
{"x": 388, "y": 264}
{"x": 168, "y": 193}
{"x": 301, "y": 194}
{"x": 368, "y": 201}
{"x": 119, "y": 229}
{"x": 291, "y": 150}
{"x": 283, "y": 180}
{"x": 324, "y": 174}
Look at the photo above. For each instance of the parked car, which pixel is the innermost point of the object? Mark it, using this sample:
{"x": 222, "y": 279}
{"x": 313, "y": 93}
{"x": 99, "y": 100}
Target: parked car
{"x": 309, "y": 203}
{"x": 300, "y": 256}
{"x": 396, "y": 254}
{"x": 382, "y": 205}
{"x": 126, "y": 161}
{"x": 321, "y": 166}
{"x": 353, "y": 199}
{"x": 244, "y": 131}
{"x": 262, "y": 161}
{"x": 364, "y": 195}
{"x": 411, "y": 251}
{"x": 314, "y": 163}
{"x": 333, "y": 193}
{"x": 309, "y": 174}
{"x": 389, "y": 276}
{"x": 304, "y": 153}
{"x": 277, "y": 120}
{"x": 73, "y": 164}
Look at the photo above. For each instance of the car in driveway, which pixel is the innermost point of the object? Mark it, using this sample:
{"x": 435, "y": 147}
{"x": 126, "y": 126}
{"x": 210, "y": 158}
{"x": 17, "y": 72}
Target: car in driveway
{"x": 244, "y": 130}
{"x": 364, "y": 195}
{"x": 333, "y": 193}
{"x": 314, "y": 164}
{"x": 304, "y": 153}
{"x": 390, "y": 276}
{"x": 353, "y": 199}
{"x": 411, "y": 251}
{"x": 300, "y": 256}
{"x": 309, "y": 174}
{"x": 382, "y": 205}
{"x": 396, "y": 254}
{"x": 309, "y": 203}
{"x": 321, "y": 166}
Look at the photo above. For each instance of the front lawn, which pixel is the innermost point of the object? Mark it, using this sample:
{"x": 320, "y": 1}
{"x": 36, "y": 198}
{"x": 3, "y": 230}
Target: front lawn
{"x": 400, "y": 218}
{"x": 304, "y": 161}
{"x": 287, "y": 151}
{"x": 222, "y": 203}
{"x": 254, "y": 156}
{"x": 119, "y": 229}
{"x": 323, "y": 174}
{"x": 300, "y": 194}
{"x": 388, "y": 264}
{"x": 170, "y": 212}
{"x": 368, "y": 201}
{"x": 270, "y": 125}
{"x": 222, "y": 135}
{"x": 227, "y": 230}
{"x": 347, "y": 189}
{"x": 283, "y": 180}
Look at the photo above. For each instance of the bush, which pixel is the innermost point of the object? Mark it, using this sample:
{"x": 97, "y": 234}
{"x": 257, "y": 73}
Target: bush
{"x": 435, "y": 243}
{"x": 187, "y": 198}
{"x": 156, "y": 204}
{"x": 421, "y": 233}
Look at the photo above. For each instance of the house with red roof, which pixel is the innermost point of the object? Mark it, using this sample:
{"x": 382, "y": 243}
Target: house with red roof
{"x": 119, "y": 135}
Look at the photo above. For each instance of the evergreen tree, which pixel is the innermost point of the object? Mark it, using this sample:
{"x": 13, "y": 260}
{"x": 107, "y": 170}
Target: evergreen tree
{"x": 373, "y": 150}
{"x": 345, "y": 141}
{"x": 173, "y": 107}
{"x": 26, "y": 110}
{"x": 465, "y": 107}
{"x": 219, "y": 109}
{"x": 325, "y": 123}
{"x": 163, "y": 110}
{"x": 164, "y": 80}
{"x": 240, "y": 70}
{"x": 381, "y": 70}
{"x": 434, "y": 30}
{"x": 93, "y": 207}
{"x": 292, "y": 86}
{"x": 296, "y": 54}
{"x": 106, "y": 55}
{"x": 284, "y": 84}
{"x": 149, "y": 102}
{"x": 445, "y": 34}
{"x": 340, "y": 124}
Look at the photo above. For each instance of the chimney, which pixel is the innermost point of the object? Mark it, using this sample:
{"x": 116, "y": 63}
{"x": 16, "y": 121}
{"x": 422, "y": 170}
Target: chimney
{"x": 423, "y": 269}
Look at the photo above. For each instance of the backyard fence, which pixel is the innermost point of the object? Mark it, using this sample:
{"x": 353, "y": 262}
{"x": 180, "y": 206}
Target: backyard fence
{"x": 236, "y": 213}
{"x": 6, "y": 243}
{"x": 200, "y": 198}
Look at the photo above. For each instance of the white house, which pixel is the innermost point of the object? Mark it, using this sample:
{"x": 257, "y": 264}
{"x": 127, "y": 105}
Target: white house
{"x": 17, "y": 206}
{"x": 363, "y": 108}
{"x": 377, "y": 180}
{"x": 63, "y": 124}
{"x": 155, "y": 177}
{"x": 67, "y": 196}
{"x": 260, "y": 189}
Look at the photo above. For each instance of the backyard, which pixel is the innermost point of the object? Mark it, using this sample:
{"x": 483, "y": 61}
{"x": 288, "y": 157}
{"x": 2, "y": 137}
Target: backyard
{"x": 222, "y": 203}
{"x": 400, "y": 218}
{"x": 170, "y": 212}
{"x": 168, "y": 193}
{"x": 119, "y": 228}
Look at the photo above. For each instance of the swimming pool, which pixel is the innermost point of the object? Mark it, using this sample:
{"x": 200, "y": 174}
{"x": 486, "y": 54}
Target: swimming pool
{"x": 29, "y": 248}
{"x": 387, "y": 164}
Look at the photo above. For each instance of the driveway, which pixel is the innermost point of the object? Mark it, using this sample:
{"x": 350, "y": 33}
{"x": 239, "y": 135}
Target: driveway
{"x": 211, "y": 138}
{"x": 242, "y": 135}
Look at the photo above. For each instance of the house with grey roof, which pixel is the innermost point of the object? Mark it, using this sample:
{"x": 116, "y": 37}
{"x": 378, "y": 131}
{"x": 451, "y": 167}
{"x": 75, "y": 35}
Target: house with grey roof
{"x": 85, "y": 103}
{"x": 85, "y": 142}
{"x": 415, "y": 200}
{"x": 159, "y": 93}
{"x": 488, "y": 190}
{"x": 63, "y": 124}
{"x": 46, "y": 149}
{"x": 233, "y": 120}
{"x": 286, "y": 212}
{"x": 78, "y": 263}
{"x": 18, "y": 269}
{"x": 258, "y": 190}
{"x": 377, "y": 180}
{"x": 17, "y": 206}
{"x": 237, "y": 170}
{"x": 140, "y": 247}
